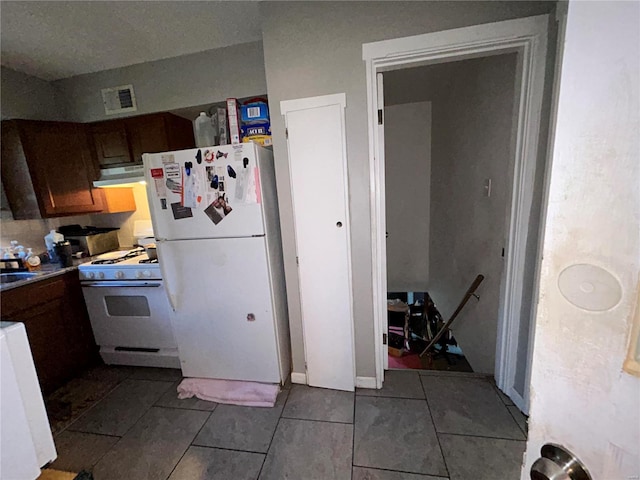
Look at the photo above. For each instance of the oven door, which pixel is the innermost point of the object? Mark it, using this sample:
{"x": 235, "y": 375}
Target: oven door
{"x": 134, "y": 314}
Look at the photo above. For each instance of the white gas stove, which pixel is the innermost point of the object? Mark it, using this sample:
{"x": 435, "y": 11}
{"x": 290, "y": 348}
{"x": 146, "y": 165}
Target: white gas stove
{"x": 129, "y": 309}
{"x": 121, "y": 265}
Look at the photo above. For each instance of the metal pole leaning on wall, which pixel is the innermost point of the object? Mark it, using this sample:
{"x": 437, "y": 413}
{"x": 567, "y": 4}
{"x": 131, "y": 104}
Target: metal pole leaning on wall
{"x": 470, "y": 292}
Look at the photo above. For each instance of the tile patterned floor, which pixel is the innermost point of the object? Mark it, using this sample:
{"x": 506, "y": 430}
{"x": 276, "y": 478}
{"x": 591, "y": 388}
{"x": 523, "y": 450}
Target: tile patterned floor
{"x": 123, "y": 422}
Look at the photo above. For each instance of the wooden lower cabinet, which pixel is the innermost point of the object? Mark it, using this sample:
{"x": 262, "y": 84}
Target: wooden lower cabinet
{"x": 57, "y": 324}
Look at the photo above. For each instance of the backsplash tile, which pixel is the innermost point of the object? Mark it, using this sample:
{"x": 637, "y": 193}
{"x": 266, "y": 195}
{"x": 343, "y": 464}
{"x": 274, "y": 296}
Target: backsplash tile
{"x": 30, "y": 233}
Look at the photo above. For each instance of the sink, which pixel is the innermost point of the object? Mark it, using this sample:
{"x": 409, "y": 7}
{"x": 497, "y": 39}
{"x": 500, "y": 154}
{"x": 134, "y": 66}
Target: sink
{"x": 17, "y": 276}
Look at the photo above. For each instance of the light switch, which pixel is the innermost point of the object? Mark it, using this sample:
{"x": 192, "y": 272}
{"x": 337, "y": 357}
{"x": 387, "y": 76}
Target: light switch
{"x": 487, "y": 187}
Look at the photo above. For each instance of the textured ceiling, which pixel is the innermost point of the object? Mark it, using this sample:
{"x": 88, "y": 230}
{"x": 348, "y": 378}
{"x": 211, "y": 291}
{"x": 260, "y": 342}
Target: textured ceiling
{"x": 53, "y": 40}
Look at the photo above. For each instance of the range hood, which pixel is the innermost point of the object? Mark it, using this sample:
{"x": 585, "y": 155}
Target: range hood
{"x": 120, "y": 176}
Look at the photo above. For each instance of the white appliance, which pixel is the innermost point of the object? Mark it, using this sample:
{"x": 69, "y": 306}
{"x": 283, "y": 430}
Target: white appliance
{"x": 128, "y": 309}
{"x": 120, "y": 176}
{"x": 26, "y": 443}
{"x": 215, "y": 218}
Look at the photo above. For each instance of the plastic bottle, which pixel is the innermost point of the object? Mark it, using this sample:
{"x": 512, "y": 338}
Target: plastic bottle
{"x": 8, "y": 255}
{"x": 32, "y": 261}
{"x": 204, "y": 132}
{"x": 50, "y": 240}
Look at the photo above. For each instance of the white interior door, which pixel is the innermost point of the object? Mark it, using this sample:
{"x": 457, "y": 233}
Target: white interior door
{"x": 582, "y": 398}
{"x": 317, "y": 163}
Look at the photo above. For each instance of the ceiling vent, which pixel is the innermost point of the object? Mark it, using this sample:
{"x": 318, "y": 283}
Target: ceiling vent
{"x": 119, "y": 99}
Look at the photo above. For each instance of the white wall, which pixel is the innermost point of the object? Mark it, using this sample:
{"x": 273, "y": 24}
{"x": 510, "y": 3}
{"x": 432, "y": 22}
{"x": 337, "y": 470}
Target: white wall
{"x": 315, "y": 48}
{"x": 472, "y": 141}
{"x": 173, "y": 83}
{"x": 407, "y": 132}
{"x": 580, "y": 397}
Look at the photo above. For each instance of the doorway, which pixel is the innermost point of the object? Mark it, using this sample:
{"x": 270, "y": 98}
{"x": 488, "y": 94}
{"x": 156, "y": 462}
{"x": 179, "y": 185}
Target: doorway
{"x": 449, "y": 131}
{"x": 527, "y": 38}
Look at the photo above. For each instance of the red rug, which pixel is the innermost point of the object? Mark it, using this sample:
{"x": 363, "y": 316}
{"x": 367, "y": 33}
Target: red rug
{"x": 411, "y": 360}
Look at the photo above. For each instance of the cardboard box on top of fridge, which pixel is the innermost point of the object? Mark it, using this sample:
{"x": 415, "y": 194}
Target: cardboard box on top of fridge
{"x": 233, "y": 115}
{"x": 253, "y": 129}
{"x": 223, "y": 131}
{"x": 254, "y": 111}
{"x": 264, "y": 140}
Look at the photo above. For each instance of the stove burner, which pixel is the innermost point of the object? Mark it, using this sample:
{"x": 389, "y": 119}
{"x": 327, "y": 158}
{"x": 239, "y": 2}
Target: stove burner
{"x": 148, "y": 260}
{"x": 109, "y": 261}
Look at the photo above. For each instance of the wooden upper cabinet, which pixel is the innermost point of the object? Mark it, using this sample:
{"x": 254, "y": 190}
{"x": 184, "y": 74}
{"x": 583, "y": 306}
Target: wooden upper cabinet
{"x": 123, "y": 141}
{"x": 147, "y": 134}
{"x": 48, "y": 169}
{"x": 110, "y": 142}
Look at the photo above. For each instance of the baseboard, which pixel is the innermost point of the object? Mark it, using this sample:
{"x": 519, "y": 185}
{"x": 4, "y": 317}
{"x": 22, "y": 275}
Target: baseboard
{"x": 366, "y": 382}
{"x": 300, "y": 378}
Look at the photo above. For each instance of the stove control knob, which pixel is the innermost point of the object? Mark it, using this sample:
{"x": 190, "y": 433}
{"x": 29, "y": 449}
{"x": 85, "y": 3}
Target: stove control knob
{"x": 92, "y": 275}
{"x": 101, "y": 275}
{"x": 119, "y": 274}
{"x": 146, "y": 273}
{"x": 139, "y": 274}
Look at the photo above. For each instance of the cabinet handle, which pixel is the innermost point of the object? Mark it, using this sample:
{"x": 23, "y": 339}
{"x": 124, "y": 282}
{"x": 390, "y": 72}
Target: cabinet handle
{"x": 339, "y": 224}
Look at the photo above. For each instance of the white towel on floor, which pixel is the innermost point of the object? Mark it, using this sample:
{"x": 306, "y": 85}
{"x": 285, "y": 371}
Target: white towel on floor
{"x": 250, "y": 394}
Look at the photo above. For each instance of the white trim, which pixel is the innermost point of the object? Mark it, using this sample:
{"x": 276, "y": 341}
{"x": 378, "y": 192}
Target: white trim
{"x": 340, "y": 99}
{"x": 518, "y": 401}
{"x": 366, "y": 382}
{"x": 529, "y": 37}
{"x": 382, "y": 205}
{"x": 455, "y": 42}
{"x": 287, "y": 106}
{"x": 300, "y": 378}
{"x": 561, "y": 20}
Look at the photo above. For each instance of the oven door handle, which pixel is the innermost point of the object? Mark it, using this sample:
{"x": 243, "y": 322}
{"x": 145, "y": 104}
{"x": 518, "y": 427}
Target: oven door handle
{"x": 121, "y": 284}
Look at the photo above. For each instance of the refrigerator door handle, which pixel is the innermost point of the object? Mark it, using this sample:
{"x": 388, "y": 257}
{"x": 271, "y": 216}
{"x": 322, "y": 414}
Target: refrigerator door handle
{"x": 165, "y": 277}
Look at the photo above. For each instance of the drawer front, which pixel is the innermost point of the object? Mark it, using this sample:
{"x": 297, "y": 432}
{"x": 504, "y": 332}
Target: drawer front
{"x": 32, "y": 295}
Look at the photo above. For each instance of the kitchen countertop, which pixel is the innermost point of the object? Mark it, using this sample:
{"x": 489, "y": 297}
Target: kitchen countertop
{"x": 47, "y": 270}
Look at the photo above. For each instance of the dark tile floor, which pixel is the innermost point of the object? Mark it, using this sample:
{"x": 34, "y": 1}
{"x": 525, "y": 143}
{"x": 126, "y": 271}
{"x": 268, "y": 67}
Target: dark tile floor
{"x": 128, "y": 423}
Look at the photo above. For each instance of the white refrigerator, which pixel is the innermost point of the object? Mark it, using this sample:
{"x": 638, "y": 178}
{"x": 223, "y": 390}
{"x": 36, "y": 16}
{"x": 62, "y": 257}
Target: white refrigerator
{"x": 215, "y": 218}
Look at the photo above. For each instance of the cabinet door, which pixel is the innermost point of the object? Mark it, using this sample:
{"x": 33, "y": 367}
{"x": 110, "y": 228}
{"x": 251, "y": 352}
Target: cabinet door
{"x": 62, "y": 168}
{"x": 110, "y": 141}
{"x": 57, "y": 324}
{"x": 147, "y": 134}
{"x": 82, "y": 349}
{"x": 41, "y": 307}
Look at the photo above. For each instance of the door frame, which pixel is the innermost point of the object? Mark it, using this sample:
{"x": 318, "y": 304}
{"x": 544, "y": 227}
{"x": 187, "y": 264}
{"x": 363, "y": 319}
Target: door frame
{"x": 528, "y": 37}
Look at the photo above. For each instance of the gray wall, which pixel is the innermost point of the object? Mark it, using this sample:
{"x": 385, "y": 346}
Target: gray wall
{"x": 315, "y": 48}
{"x": 27, "y": 97}
{"x": 24, "y": 96}
{"x": 174, "y": 83}
{"x": 407, "y": 133}
{"x": 472, "y": 141}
